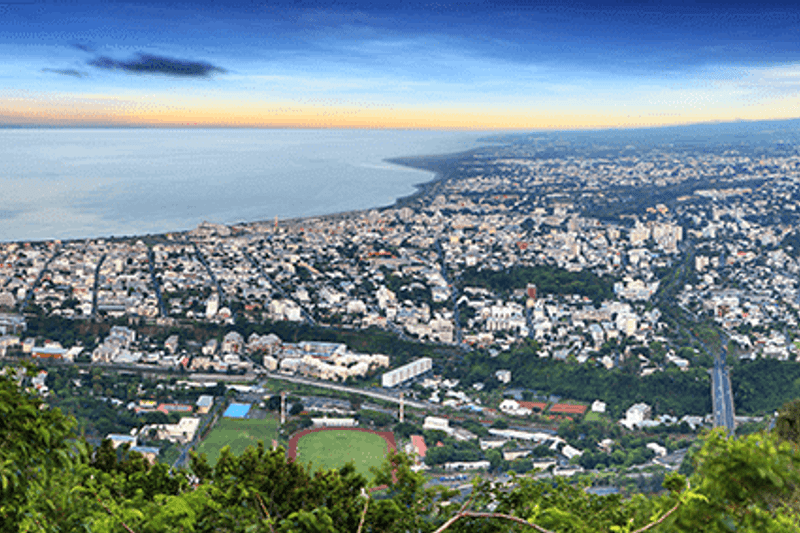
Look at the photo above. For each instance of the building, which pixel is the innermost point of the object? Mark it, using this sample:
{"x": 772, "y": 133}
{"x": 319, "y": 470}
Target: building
{"x": 468, "y": 465}
{"x": 10, "y": 324}
{"x": 503, "y": 376}
{"x": 407, "y": 372}
{"x": 204, "y": 404}
{"x": 419, "y": 446}
{"x": 118, "y": 440}
{"x": 326, "y": 422}
{"x": 531, "y": 291}
{"x": 434, "y": 422}
{"x": 48, "y": 352}
{"x": 635, "y": 415}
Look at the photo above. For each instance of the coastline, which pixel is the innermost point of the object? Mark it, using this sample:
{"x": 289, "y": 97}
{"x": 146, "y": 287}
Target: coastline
{"x": 438, "y": 164}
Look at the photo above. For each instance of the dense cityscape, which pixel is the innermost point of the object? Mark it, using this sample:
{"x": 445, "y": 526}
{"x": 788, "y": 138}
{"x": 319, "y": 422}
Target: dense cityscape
{"x": 510, "y": 297}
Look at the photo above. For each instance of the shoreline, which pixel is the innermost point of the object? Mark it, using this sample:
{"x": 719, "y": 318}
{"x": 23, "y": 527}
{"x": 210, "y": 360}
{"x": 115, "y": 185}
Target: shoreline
{"x": 422, "y": 188}
{"x": 435, "y": 163}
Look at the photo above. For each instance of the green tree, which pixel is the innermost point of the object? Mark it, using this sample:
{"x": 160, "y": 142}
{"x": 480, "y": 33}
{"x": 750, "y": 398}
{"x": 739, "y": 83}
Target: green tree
{"x": 33, "y": 444}
{"x": 787, "y": 425}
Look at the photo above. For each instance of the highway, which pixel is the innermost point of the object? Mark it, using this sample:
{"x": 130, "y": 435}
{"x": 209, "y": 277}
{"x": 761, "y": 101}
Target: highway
{"x": 721, "y": 394}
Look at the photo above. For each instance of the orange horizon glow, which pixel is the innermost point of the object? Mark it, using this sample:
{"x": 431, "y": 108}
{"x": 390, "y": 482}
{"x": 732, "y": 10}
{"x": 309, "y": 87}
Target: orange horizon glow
{"x": 133, "y": 111}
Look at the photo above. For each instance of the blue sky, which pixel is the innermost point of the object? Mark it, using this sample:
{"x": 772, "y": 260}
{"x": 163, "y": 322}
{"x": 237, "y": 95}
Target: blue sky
{"x": 480, "y": 65}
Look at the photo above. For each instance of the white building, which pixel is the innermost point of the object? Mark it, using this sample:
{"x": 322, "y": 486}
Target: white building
{"x": 326, "y": 422}
{"x": 406, "y": 372}
{"x": 636, "y": 414}
{"x": 434, "y": 422}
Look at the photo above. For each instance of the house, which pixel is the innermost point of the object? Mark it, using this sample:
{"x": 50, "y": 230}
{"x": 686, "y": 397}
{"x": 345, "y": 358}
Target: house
{"x": 233, "y": 342}
{"x": 148, "y": 452}
{"x": 204, "y": 404}
{"x": 118, "y": 440}
{"x": 503, "y": 376}
{"x": 171, "y": 344}
{"x": 419, "y": 446}
{"x": 434, "y": 422}
{"x": 635, "y": 415}
{"x": 659, "y": 450}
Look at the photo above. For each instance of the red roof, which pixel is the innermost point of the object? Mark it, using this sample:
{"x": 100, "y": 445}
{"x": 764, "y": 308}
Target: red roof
{"x": 533, "y": 405}
{"x": 568, "y": 408}
{"x": 418, "y": 441}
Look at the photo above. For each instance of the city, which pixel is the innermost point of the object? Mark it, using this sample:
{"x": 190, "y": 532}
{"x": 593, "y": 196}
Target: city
{"x": 655, "y": 264}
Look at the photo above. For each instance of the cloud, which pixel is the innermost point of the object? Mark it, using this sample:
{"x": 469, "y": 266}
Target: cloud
{"x": 152, "y": 64}
{"x": 84, "y": 47}
{"x": 66, "y": 72}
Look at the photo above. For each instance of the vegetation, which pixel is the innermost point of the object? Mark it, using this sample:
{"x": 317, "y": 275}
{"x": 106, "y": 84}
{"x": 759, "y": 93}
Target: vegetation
{"x": 51, "y": 482}
{"x": 548, "y": 280}
{"x": 672, "y": 391}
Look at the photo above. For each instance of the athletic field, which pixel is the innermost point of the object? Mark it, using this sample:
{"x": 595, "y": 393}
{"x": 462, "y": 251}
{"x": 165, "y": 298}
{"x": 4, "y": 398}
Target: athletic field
{"x": 239, "y": 433}
{"x": 333, "y": 448}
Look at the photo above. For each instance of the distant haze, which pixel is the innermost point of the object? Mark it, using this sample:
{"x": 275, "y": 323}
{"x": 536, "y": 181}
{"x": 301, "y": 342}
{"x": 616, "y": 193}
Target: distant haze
{"x": 75, "y": 183}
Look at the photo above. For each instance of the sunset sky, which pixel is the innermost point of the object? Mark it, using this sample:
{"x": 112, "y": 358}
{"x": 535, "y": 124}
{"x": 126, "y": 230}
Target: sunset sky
{"x": 449, "y": 65}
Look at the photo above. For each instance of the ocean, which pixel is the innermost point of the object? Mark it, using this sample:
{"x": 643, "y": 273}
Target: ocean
{"x": 82, "y": 183}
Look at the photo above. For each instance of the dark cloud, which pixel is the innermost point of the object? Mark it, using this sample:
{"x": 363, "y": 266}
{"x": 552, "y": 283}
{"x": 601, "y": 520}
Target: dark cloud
{"x": 84, "y": 47}
{"x": 150, "y": 64}
{"x": 66, "y": 72}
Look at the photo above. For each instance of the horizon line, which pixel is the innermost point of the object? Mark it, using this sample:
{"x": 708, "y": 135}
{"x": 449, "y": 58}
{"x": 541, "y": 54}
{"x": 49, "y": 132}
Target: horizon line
{"x": 392, "y": 128}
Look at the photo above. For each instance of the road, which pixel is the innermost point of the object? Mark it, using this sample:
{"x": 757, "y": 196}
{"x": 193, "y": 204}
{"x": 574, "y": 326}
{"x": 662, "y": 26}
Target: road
{"x": 353, "y": 390}
{"x": 96, "y": 284}
{"x": 721, "y": 395}
{"x": 151, "y": 263}
{"x": 202, "y": 259}
{"x": 724, "y": 414}
{"x": 453, "y": 291}
{"x": 38, "y": 280}
{"x": 277, "y": 288}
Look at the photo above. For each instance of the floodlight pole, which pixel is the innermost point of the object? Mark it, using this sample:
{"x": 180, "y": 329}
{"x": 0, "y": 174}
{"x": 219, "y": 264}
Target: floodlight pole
{"x": 283, "y": 407}
{"x": 401, "y": 407}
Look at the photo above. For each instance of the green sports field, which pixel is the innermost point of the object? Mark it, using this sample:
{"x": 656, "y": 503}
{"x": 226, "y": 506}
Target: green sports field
{"x": 238, "y": 434}
{"x": 335, "y": 448}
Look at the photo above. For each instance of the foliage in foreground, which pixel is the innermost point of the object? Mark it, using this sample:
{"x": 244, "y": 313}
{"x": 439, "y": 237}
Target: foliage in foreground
{"x": 50, "y": 484}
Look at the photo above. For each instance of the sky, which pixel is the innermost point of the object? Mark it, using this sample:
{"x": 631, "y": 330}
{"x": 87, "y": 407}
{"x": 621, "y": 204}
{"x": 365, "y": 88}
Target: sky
{"x": 482, "y": 65}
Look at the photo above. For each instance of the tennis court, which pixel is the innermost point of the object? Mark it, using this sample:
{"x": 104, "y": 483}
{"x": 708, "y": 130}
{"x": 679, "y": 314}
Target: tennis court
{"x": 237, "y": 410}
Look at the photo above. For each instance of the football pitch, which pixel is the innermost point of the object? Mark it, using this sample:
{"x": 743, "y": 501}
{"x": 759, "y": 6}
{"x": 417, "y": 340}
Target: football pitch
{"x": 335, "y": 448}
{"x": 238, "y": 434}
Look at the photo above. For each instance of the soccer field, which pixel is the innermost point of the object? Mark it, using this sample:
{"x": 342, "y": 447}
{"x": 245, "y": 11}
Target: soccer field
{"x": 238, "y": 434}
{"x": 335, "y": 448}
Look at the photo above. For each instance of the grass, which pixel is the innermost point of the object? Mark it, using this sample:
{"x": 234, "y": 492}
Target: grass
{"x": 238, "y": 434}
{"x": 592, "y": 416}
{"x": 333, "y": 449}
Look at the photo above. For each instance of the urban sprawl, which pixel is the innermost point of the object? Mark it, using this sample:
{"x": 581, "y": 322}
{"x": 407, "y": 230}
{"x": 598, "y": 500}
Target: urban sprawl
{"x": 663, "y": 259}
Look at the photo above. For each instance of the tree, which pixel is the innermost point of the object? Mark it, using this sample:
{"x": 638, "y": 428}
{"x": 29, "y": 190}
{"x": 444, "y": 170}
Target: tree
{"x": 787, "y": 425}
{"x": 33, "y": 444}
